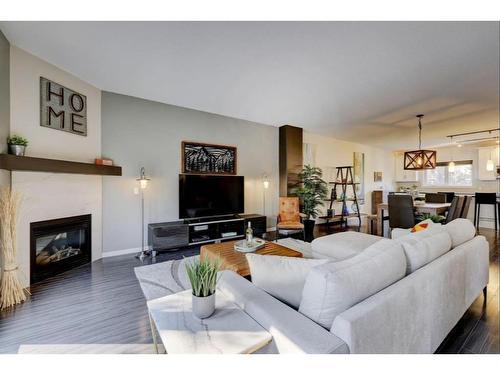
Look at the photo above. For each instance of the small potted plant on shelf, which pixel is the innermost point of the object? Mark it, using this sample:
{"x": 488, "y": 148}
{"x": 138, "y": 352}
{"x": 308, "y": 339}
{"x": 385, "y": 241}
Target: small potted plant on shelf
{"x": 202, "y": 274}
{"x": 17, "y": 145}
{"x": 312, "y": 191}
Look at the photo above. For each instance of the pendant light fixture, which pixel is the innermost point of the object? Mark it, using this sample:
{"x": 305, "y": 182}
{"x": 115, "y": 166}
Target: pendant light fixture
{"x": 489, "y": 164}
{"x": 451, "y": 164}
{"x": 420, "y": 159}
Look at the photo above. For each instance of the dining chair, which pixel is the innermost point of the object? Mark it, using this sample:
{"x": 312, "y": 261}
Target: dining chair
{"x": 488, "y": 199}
{"x": 435, "y": 198}
{"x": 401, "y": 211}
{"x": 456, "y": 208}
{"x": 449, "y": 195}
{"x": 289, "y": 219}
{"x": 466, "y": 206}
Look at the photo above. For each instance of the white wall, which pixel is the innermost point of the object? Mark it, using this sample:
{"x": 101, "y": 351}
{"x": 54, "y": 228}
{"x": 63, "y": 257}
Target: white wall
{"x": 4, "y": 103}
{"x": 139, "y": 132}
{"x": 49, "y": 195}
{"x": 329, "y": 153}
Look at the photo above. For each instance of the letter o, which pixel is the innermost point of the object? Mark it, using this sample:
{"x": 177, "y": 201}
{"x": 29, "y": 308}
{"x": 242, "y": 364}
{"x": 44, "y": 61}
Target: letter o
{"x": 80, "y": 100}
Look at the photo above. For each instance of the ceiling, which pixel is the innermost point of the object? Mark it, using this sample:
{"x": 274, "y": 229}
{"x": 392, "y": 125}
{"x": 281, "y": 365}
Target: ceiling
{"x": 357, "y": 81}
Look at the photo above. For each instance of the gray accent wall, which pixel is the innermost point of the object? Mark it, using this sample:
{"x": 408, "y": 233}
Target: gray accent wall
{"x": 137, "y": 132}
{"x": 4, "y": 102}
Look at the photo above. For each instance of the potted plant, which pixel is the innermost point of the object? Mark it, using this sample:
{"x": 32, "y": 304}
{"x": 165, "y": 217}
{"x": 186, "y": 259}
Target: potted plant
{"x": 312, "y": 192}
{"x": 17, "y": 145}
{"x": 438, "y": 219}
{"x": 202, "y": 274}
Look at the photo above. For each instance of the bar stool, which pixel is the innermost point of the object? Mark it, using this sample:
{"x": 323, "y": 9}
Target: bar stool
{"x": 485, "y": 198}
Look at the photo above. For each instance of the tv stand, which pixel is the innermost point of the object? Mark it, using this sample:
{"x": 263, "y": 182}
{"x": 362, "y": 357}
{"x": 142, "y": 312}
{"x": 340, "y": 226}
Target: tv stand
{"x": 181, "y": 233}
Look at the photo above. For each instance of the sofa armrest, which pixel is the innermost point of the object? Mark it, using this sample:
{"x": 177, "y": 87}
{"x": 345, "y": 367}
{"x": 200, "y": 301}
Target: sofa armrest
{"x": 292, "y": 332}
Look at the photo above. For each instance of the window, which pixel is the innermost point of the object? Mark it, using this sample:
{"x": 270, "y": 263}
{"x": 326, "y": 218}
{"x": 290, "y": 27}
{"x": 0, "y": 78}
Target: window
{"x": 442, "y": 176}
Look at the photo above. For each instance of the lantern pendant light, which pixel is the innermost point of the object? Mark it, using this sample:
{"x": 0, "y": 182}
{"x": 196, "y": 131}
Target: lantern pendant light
{"x": 419, "y": 159}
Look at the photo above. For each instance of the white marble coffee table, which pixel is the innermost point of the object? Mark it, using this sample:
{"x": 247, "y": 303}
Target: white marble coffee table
{"x": 228, "y": 331}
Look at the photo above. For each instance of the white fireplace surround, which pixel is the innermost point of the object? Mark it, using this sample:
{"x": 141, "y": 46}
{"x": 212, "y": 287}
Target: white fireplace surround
{"x": 49, "y": 196}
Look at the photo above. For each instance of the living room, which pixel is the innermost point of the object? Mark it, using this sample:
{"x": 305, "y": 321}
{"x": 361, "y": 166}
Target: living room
{"x": 334, "y": 184}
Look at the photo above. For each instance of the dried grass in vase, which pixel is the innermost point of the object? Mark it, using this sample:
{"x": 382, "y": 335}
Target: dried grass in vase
{"x": 11, "y": 290}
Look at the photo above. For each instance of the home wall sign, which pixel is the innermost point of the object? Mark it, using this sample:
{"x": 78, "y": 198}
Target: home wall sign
{"x": 208, "y": 158}
{"x": 62, "y": 108}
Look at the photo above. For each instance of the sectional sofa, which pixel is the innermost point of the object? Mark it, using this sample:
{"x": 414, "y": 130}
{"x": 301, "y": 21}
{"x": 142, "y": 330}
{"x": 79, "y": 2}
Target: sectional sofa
{"x": 371, "y": 295}
{"x": 400, "y": 295}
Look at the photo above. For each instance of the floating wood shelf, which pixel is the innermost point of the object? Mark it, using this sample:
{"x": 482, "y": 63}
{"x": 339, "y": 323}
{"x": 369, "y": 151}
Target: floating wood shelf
{"x": 27, "y": 163}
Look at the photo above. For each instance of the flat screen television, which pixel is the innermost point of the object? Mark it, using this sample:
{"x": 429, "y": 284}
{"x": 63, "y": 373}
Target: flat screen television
{"x": 201, "y": 196}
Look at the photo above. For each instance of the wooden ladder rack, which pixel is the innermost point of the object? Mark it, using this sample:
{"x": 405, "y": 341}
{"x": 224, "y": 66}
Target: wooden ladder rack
{"x": 344, "y": 178}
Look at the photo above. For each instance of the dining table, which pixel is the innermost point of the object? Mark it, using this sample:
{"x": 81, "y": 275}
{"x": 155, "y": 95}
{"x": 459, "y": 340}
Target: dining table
{"x": 423, "y": 208}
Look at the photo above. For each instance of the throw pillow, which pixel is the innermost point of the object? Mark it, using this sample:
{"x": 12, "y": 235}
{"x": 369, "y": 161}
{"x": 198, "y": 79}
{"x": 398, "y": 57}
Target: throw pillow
{"x": 282, "y": 277}
{"x": 422, "y": 226}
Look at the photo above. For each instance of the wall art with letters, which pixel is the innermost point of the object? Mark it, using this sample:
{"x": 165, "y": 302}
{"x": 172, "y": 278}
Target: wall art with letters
{"x": 62, "y": 108}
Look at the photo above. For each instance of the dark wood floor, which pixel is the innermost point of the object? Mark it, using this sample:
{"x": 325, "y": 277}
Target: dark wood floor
{"x": 102, "y": 303}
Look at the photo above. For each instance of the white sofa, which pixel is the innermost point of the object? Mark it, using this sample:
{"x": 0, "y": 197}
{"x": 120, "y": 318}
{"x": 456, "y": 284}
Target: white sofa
{"x": 394, "y": 296}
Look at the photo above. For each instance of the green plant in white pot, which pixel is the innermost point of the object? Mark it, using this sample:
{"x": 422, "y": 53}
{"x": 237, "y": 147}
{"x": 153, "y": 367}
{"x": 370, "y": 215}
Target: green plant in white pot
{"x": 202, "y": 274}
{"x": 17, "y": 145}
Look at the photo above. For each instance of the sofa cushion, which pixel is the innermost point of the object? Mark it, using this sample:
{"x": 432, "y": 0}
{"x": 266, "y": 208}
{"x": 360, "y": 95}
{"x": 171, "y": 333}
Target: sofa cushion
{"x": 343, "y": 245}
{"x": 282, "y": 277}
{"x": 460, "y": 231}
{"x": 334, "y": 287}
{"x": 421, "y": 248}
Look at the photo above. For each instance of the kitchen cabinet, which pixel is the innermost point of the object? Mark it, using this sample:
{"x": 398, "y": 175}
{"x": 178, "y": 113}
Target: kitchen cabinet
{"x": 402, "y": 175}
{"x": 484, "y": 154}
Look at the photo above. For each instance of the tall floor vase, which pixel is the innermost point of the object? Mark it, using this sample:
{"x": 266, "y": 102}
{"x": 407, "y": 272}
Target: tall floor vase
{"x": 11, "y": 289}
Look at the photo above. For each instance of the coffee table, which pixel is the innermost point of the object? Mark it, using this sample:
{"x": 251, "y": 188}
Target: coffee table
{"x": 235, "y": 261}
{"x": 228, "y": 331}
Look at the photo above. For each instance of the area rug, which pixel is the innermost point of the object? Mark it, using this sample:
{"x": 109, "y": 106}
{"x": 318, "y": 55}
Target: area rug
{"x": 89, "y": 349}
{"x": 162, "y": 279}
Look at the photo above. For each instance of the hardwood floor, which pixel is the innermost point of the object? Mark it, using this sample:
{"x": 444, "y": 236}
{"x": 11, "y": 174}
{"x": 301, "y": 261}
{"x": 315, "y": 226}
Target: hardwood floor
{"x": 102, "y": 303}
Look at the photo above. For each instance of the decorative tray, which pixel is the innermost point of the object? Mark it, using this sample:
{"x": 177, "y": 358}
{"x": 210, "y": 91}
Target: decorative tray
{"x": 243, "y": 247}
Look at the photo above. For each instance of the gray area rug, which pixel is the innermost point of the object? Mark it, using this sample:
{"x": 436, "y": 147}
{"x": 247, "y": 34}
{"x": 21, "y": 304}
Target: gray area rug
{"x": 162, "y": 279}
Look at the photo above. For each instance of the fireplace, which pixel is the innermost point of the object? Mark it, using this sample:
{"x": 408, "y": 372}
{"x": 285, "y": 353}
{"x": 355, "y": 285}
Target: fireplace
{"x": 59, "y": 245}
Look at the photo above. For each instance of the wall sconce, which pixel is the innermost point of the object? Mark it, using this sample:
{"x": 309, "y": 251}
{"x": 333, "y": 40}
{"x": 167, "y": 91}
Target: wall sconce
{"x": 265, "y": 184}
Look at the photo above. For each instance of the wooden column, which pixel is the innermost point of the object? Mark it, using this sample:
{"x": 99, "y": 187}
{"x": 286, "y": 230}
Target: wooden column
{"x": 290, "y": 157}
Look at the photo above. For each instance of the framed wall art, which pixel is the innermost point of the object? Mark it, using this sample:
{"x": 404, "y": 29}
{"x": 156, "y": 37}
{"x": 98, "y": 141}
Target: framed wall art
{"x": 359, "y": 175}
{"x": 203, "y": 158}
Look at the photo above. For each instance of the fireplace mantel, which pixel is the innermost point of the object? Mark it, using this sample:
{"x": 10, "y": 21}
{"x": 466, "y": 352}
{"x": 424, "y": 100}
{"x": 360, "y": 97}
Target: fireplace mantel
{"x": 27, "y": 163}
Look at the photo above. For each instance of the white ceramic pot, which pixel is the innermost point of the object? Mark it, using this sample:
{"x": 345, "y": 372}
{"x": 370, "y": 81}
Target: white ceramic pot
{"x": 203, "y": 307}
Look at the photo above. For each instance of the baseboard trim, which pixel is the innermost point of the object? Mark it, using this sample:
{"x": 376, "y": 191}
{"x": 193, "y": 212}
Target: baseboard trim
{"x": 108, "y": 254}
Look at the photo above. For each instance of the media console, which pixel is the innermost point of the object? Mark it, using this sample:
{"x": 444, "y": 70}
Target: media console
{"x": 176, "y": 234}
